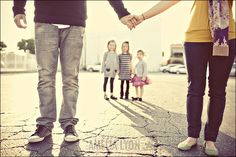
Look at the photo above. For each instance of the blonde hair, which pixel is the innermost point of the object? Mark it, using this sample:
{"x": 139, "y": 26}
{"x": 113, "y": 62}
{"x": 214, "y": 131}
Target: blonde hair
{"x": 111, "y": 41}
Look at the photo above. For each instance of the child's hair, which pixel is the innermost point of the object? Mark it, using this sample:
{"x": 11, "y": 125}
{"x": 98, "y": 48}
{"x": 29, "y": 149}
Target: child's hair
{"x": 111, "y": 41}
{"x": 126, "y": 42}
{"x": 141, "y": 51}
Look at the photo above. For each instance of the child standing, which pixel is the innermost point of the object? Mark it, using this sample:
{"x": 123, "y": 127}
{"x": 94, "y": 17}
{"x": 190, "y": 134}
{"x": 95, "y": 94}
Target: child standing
{"x": 125, "y": 69}
{"x": 140, "y": 77}
{"x": 110, "y": 67}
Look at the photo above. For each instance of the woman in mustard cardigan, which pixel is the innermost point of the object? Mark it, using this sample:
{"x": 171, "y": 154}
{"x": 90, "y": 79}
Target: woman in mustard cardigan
{"x": 209, "y": 41}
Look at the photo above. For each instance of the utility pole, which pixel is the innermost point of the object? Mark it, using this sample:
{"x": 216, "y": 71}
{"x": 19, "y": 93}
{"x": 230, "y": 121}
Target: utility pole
{"x": 85, "y": 51}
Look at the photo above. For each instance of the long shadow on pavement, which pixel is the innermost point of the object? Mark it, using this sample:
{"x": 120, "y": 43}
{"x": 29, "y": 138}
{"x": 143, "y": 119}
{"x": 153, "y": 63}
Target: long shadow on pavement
{"x": 166, "y": 129}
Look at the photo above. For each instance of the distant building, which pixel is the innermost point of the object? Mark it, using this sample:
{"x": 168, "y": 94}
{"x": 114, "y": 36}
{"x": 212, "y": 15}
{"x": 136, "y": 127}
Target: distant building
{"x": 18, "y": 61}
{"x": 176, "y": 54}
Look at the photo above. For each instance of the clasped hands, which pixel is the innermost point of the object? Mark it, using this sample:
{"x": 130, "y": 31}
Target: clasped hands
{"x": 131, "y": 21}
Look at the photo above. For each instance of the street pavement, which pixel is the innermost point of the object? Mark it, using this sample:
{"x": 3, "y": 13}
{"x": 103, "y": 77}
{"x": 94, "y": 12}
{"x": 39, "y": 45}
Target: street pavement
{"x": 153, "y": 127}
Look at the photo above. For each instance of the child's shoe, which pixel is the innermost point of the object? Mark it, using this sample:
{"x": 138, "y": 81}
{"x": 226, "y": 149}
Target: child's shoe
{"x": 105, "y": 97}
{"x": 134, "y": 99}
{"x": 113, "y": 97}
{"x": 140, "y": 99}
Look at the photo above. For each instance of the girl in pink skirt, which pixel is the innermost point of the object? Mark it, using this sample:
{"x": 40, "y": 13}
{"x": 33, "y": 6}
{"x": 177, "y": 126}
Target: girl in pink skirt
{"x": 140, "y": 76}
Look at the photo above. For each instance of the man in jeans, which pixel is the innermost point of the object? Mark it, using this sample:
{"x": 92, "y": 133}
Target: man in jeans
{"x": 59, "y": 30}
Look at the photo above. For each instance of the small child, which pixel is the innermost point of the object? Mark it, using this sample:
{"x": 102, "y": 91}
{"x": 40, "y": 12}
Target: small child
{"x": 140, "y": 76}
{"x": 110, "y": 67}
{"x": 125, "y": 69}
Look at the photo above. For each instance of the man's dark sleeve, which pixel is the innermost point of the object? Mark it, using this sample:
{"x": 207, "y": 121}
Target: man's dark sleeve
{"x": 19, "y": 7}
{"x": 119, "y": 8}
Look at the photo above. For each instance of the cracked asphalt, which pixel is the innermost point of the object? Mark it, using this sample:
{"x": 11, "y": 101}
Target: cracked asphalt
{"x": 153, "y": 127}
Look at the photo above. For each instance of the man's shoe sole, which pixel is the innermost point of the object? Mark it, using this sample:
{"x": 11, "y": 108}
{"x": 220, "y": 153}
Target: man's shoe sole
{"x": 71, "y": 140}
{"x": 36, "y": 140}
{"x": 185, "y": 147}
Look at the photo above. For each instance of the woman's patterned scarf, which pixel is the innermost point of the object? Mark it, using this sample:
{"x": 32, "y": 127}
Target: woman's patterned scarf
{"x": 219, "y": 26}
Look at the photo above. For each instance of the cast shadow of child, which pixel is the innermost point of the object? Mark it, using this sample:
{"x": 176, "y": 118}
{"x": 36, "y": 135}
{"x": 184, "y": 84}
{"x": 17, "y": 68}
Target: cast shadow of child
{"x": 167, "y": 128}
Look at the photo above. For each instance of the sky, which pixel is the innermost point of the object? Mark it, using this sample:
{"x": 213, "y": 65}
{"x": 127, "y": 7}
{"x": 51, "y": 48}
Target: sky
{"x": 103, "y": 22}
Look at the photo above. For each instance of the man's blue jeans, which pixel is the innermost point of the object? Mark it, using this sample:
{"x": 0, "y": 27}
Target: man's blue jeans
{"x": 53, "y": 43}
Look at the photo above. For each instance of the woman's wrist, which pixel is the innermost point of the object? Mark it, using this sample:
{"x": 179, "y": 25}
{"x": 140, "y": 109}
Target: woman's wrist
{"x": 143, "y": 17}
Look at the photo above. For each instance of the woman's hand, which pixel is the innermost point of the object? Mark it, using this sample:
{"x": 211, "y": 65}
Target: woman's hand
{"x": 143, "y": 78}
{"x": 139, "y": 18}
{"x": 129, "y": 21}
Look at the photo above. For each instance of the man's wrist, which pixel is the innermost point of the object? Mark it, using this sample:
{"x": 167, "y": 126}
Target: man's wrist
{"x": 18, "y": 10}
{"x": 123, "y": 15}
{"x": 18, "y": 13}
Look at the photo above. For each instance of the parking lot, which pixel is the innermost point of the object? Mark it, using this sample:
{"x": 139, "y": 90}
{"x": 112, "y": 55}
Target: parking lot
{"x": 115, "y": 128}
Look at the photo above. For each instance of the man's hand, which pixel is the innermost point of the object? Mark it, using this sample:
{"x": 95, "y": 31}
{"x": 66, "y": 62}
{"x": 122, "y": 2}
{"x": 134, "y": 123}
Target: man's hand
{"x": 129, "y": 21}
{"x": 18, "y": 20}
